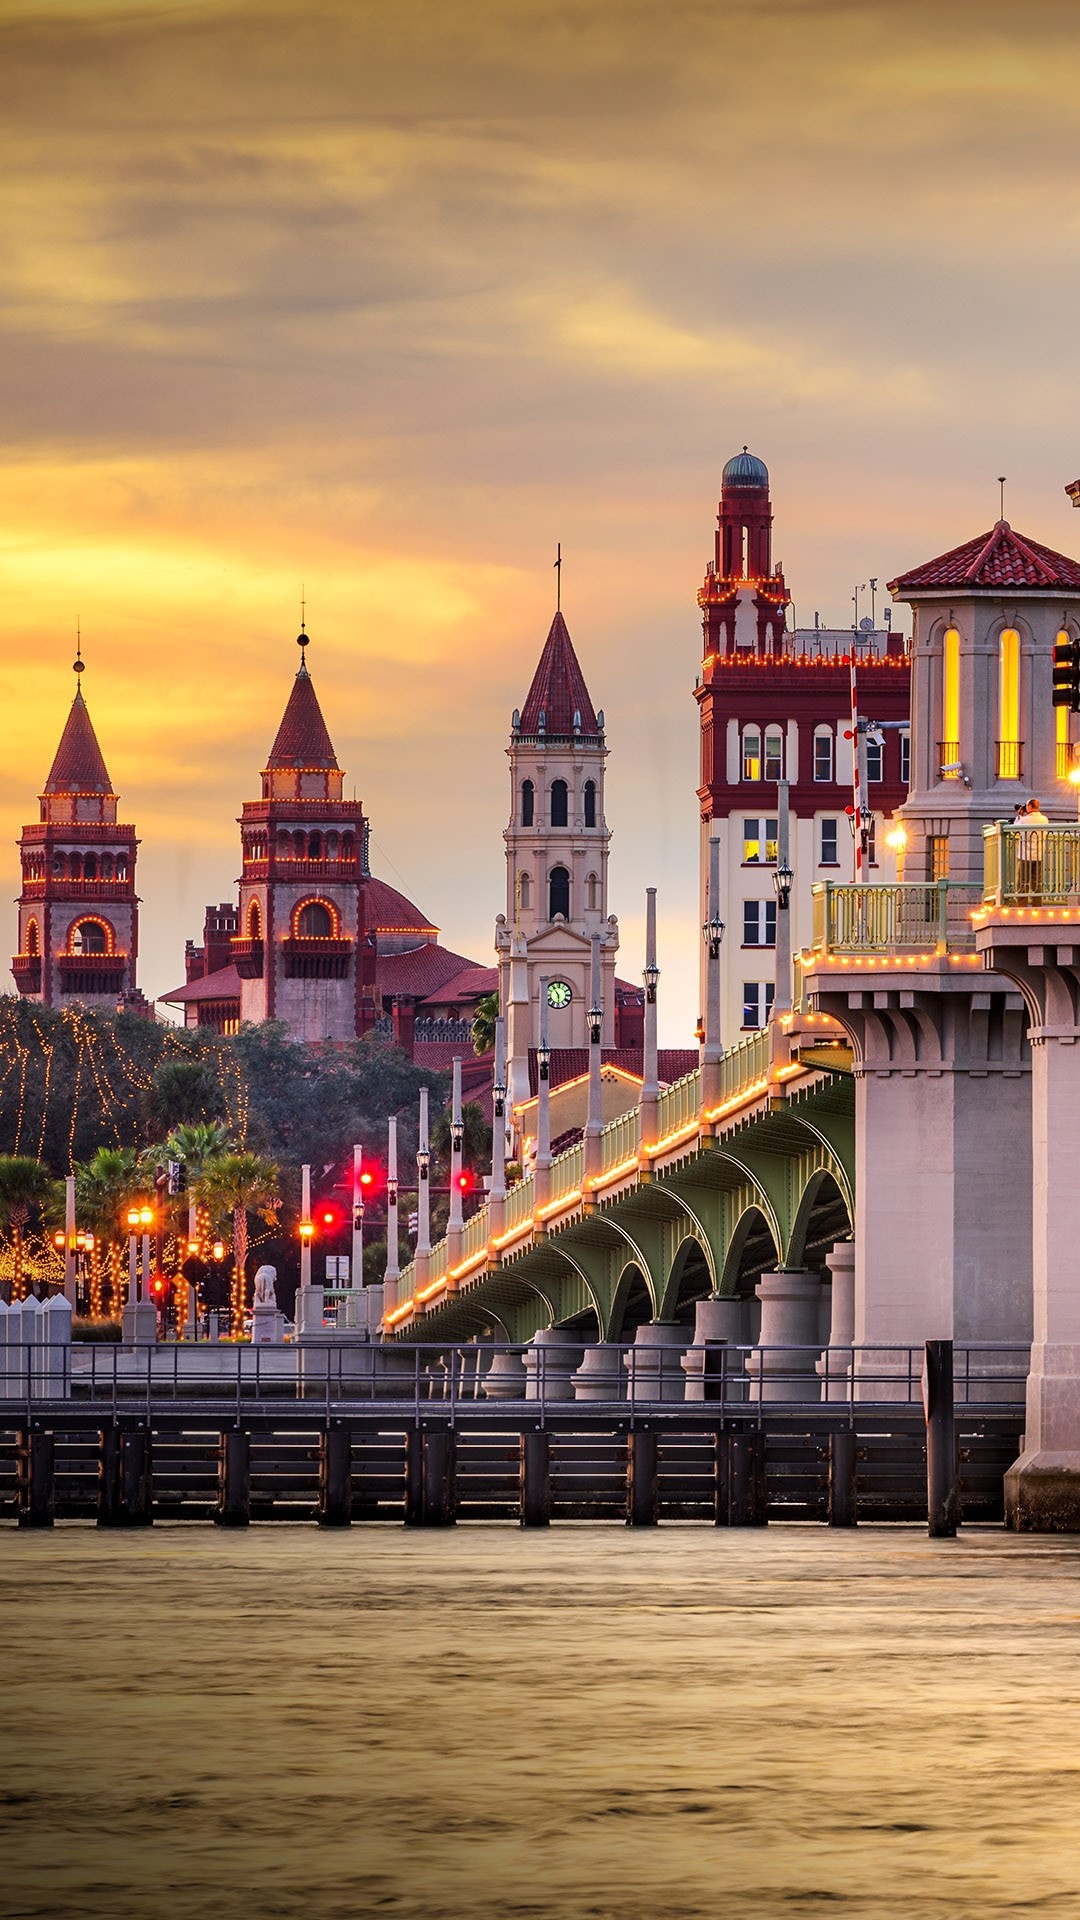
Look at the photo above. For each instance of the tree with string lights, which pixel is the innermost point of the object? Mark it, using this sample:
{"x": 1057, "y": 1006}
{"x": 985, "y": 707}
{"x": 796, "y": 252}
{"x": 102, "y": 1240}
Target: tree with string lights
{"x": 234, "y": 1185}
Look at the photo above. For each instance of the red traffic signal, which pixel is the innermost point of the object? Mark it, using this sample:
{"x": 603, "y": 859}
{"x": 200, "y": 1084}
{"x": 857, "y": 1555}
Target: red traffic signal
{"x": 329, "y": 1216}
{"x": 465, "y": 1180}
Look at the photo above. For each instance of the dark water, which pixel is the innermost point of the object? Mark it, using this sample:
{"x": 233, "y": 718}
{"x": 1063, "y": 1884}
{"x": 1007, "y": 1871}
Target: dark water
{"x": 573, "y": 1725}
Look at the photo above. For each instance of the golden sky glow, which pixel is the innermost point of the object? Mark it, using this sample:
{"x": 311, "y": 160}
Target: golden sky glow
{"x": 388, "y": 299}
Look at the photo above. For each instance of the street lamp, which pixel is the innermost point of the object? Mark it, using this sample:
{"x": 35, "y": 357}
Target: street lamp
{"x": 498, "y": 1096}
{"x": 596, "y": 1016}
{"x": 712, "y": 933}
{"x": 651, "y": 977}
{"x": 543, "y": 1060}
{"x": 457, "y": 1135}
{"x": 783, "y": 880}
{"x": 423, "y": 1163}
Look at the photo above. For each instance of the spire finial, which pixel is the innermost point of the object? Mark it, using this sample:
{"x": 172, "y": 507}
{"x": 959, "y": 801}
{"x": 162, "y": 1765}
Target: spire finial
{"x": 302, "y": 640}
{"x": 558, "y": 576}
{"x": 1001, "y": 483}
{"x": 78, "y": 665}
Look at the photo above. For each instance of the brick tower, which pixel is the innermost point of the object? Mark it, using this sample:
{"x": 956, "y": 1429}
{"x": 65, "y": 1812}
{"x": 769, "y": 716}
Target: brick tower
{"x": 78, "y": 910}
{"x": 301, "y": 951}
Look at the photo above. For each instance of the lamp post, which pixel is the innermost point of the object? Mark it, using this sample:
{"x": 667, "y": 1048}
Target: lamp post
{"x": 497, "y": 1189}
{"x": 594, "y": 1124}
{"x": 650, "y": 1082}
{"x": 423, "y": 1184}
{"x": 133, "y": 1255}
{"x": 356, "y": 1269}
{"x": 783, "y": 880}
{"x": 393, "y": 1264}
{"x": 542, "y": 1164}
{"x": 457, "y": 1140}
{"x": 69, "y": 1240}
{"x": 712, "y": 932}
{"x": 306, "y": 1228}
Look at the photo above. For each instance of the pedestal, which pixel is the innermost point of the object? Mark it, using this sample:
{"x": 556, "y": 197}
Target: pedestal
{"x": 713, "y": 1365}
{"x": 267, "y": 1325}
{"x": 790, "y": 1303}
{"x": 505, "y": 1377}
{"x": 138, "y": 1324}
{"x": 834, "y": 1366}
{"x": 654, "y": 1362}
{"x": 600, "y": 1375}
{"x": 309, "y": 1311}
{"x": 551, "y": 1358}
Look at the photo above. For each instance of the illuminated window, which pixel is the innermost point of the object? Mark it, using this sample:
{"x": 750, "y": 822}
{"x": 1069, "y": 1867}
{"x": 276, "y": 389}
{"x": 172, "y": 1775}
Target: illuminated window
{"x": 759, "y": 923}
{"x": 827, "y": 840}
{"x": 528, "y": 803}
{"x": 559, "y": 803}
{"x": 558, "y": 893}
{"x": 315, "y": 921}
{"x": 774, "y": 754}
{"x": 590, "y": 803}
{"x": 871, "y": 843}
{"x": 823, "y": 753}
{"x": 88, "y": 936}
{"x": 254, "y": 922}
{"x": 751, "y": 753}
{"x": 950, "y": 705}
{"x": 757, "y": 1002}
{"x": 937, "y": 856}
{"x": 759, "y": 842}
{"x": 32, "y": 937}
{"x": 1009, "y": 705}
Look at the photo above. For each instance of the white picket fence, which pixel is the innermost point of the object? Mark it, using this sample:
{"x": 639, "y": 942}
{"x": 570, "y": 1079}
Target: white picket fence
{"x": 35, "y": 1348}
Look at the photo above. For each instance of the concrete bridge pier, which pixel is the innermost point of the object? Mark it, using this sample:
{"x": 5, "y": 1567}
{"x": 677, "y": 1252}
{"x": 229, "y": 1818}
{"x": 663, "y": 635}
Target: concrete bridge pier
{"x": 505, "y": 1377}
{"x": 835, "y": 1364}
{"x": 601, "y": 1375}
{"x": 712, "y": 1362}
{"x": 790, "y": 1317}
{"x": 1042, "y": 1489}
{"x": 551, "y": 1360}
{"x": 654, "y": 1362}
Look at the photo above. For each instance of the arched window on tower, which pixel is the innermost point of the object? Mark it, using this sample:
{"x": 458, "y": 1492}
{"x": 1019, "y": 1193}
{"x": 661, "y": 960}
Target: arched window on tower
{"x": 1009, "y": 742}
{"x": 59, "y": 866}
{"x": 254, "y": 926}
{"x": 524, "y": 890}
{"x": 751, "y": 753}
{"x": 558, "y": 893}
{"x": 33, "y": 943}
{"x": 88, "y": 936}
{"x": 89, "y": 867}
{"x": 592, "y": 893}
{"x": 348, "y": 846}
{"x": 559, "y": 803}
{"x": 121, "y": 867}
{"x": 949, "y": 754}
{"x": 528, "y": 803}
{"x": 299, "y": 845}
{"x": 331, "y": 846}
{"x": 314, "y": 851}
{"x": 590, "y": 803}
{"x": 315, "y": 921}
{"x": 106, "y": 866}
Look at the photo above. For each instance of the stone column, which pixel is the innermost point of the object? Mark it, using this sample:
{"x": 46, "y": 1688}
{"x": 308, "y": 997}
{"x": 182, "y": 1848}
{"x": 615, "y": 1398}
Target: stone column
{"x": 551, "y": 1359}
{"x": 600, "y": 1375}
{"x": 836, "y": 1361}
{"x": 790, "y": 1302}
{"x": 713, "y": 1360}
{"x": 505, "y": 1377}
{"x": 654, "y": 1362}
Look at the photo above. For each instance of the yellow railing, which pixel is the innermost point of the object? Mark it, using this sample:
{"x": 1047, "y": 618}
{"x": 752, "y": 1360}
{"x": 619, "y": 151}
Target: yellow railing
{"x": 1031, "y": 866}
{"x": 519, "y": 1204}
{"x": 744, "y": 1065}
{"x": 931, "y": 916}
{"x": 619, "y": 1140}
{"x": 678, "y": 1104}
{"x": 567, "y": 1171}
{"x": 475, "y": 1235}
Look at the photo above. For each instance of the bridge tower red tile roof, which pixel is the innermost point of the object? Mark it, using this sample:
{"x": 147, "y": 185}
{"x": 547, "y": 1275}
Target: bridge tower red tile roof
{"x": 558, "y": 690}
{"x": 78, "y": 766}
{"x": 302, "y": 738}
{"x": 1000, "y": 558}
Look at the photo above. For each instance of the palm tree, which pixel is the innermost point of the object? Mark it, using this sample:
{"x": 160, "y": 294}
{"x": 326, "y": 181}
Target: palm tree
{"x": 25, "y": 1187}
{"x": 104, "y": 1188}
{"x": 237, "y": 1184}
{"x": 485, "y": 1015}
{"x": 197, "y": 1143}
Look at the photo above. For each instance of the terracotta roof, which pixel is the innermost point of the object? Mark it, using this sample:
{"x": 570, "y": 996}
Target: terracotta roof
{"x": 419, "y": 972}
{"x": 570, "y": 1063}
{"x": 472, "y": 983}
{"x": 78, "y": 766}
{"x": 222, "y": 985}
{"x": 302, "y": 739}
{"x": 1000, "y": 558}
{"x": 388, "y": 911}
{"x": 558, "y": 689}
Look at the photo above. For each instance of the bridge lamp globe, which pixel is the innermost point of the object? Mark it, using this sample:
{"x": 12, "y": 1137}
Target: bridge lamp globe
{"x": 457, "y": 1135}
{"x": 595, "y": 1017}
{"x": 651, "y": 976}
{"x": 133, "y": 1219}
{"x": 498, "y": 1095}
{"x": 423, "y": 1163}
{"x": 712, "y": 933}
{"x": 783, "y": 880}
{"x": 543, "y": 1060}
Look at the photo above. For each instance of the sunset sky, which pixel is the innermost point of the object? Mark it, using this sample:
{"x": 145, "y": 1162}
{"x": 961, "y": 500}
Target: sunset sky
{"x": 387, "y": 299}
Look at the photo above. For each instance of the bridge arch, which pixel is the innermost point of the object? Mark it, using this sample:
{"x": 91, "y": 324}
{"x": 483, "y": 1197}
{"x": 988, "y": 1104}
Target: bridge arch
{"x": 691, "y": 1277}
{"x": 751, "y": 1251}
{"x": 821, "y": 1218}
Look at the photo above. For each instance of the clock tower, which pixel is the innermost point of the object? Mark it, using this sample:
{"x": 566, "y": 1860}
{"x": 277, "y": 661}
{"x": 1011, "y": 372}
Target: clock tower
{"x": 556, "y": 865}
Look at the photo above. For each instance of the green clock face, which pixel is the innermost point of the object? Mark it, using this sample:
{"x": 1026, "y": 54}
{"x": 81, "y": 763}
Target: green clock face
{"x": 559, "y": 994}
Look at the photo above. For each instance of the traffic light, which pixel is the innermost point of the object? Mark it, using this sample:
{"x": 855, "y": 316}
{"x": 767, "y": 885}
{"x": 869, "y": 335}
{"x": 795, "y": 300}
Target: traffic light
{"x": 1067, "y": 675}
{"x": 176, "y": 1180}
{"x": 465, "y": 1181}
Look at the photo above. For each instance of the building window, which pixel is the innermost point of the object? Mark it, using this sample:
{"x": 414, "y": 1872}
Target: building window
{"x": 823, "y": 754}
{"x": 759, "y": 842}
{"x": 751, "y": 753}
{"x": 828, "y": 856}
{"x": 88, "y": 936}
{"x": 524, "y": 890}
{"x": 937, "y": 856}
{"x": 757, "y": 999}
{"x": 590, "y": 803}
{"x": 759, "y": 923}
{"x": 875, "y": 759}
{"x": 314, "y": 851}
{"x": 32, "y": 946}
{"x": 558, "y": 893}
{"x": 950, "y": 706}
{"x": 905, "y": 759}
{"x": 559, "y": 803}
{"x": 254, "y": 922}
{"x": 871, "y": 843}
{"x": 774, "y": 754}
{"x": 528, "y": 802}
{"x": 592, "y": 893}
{"x": 315, "y": 921}
{"x": 1009, "y": 705}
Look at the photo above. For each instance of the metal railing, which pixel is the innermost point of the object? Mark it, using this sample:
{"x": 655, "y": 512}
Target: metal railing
{"x": 949, "y": 767}
{"x": 1010, "y": 759}
{"x": 338, "y": 1373}
{"x": 931, "y": 916}
{"x": 619, "y": 1140}
{"x": 1031, "y": 866}
{"x": 678, "y": 1104}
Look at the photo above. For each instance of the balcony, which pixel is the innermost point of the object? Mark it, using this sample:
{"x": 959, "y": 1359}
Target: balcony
{"x": 1031, "y": 866}
{"x": 26, "y": 968}
{"x": 1010, "y": 759}
{"x": 247, "y": 957}
{"x": 92, "y": 972}
{"x": 275, "y": 867}
{"x": 1068, "y": 758}
{"x": 949, "y": 764}
{"x": 63, "y": 889}
{"x": 929, "y": 917}
{"x": 312, "y": 958}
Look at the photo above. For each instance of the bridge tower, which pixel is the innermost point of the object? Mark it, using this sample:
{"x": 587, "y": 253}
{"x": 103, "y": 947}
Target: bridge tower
{"x": 301, "y": 951}
{"x": 78, "y": 910}
{"x": 556, "y": 863}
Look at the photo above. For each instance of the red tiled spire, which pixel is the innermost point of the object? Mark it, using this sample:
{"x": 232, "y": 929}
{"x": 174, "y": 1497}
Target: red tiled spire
{"x": 302, "y": 739}
{"x": 558, "y": 689}
{"x": 78, "y": 766}
{"x": 1000, "y": 558}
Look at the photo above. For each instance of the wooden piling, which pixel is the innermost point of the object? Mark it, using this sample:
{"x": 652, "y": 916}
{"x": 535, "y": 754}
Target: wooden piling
{"x": 108, "y": 1489}
{"x": 438, "y": 1472}
{"x": 136, "y": 1478}
{"x": 234, "y": 1479}
{"x": 843, "y": 1485}
{"x": 721, "y": 1481}
{"x": 942, "y": 1467}
{"x": 535, "y": 1509}
{"x": 36, "y": 1477}
{"x": 642, "y": 1478}
{"x": 414, "y": 1478}
{"x": 335, "y": 1477}
{"x": 748, "y": 1494}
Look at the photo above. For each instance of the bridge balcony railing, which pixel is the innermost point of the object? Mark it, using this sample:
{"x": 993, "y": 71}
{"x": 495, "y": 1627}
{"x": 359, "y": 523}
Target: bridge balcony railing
{"x": 928, "y": 916}
{"x": 620, "y": 1139}
{"x": 1031, "y": 866}
{"x": 678, "y": 1104}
